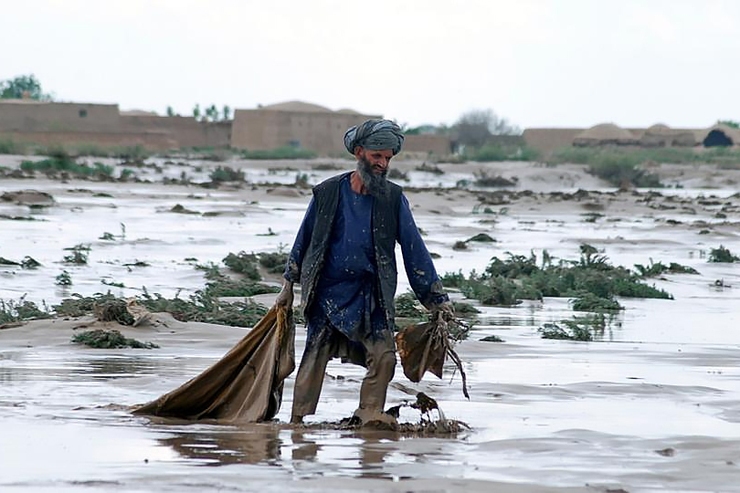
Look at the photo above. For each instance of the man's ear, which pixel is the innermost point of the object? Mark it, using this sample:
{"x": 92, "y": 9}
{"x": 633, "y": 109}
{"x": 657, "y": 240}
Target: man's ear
{"x": 358, "y": 152}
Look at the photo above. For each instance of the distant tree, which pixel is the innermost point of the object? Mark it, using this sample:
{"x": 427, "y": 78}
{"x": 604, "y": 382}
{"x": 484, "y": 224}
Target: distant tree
{"x": 226, "y": 112}
{"x": 170, "y": 111}
{"x": 212, "y": 113}
{"x": 196, "y": 111}
{"x": 23, "y": 86}
{"x": 475, "y": 127}
{"x": 730, "y": 123}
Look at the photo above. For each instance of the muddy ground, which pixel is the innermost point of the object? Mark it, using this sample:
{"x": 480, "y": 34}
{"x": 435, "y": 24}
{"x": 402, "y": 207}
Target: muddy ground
{"x": 653, "y": 404}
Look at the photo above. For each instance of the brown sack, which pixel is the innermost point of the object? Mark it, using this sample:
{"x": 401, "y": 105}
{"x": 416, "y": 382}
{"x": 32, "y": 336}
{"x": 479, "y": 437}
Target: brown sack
{"x": 420, "y": 350}
{"x": 423, "y": 348}
{"x": 246, "y": 385}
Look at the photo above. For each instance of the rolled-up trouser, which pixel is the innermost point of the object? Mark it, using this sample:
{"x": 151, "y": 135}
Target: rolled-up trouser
{"x": 380, "y": 361}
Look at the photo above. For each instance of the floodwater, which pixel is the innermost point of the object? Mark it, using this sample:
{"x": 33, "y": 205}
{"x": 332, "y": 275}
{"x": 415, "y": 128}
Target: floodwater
{"x": 652, "y": 405}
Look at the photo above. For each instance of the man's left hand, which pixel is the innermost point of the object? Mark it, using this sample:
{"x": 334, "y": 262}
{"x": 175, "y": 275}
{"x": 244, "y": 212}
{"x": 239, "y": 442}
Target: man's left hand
{"x": 446, "y": 310}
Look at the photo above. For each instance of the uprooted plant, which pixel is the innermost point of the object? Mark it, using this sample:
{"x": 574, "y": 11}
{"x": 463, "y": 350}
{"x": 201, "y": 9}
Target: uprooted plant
{"x": 109, "y": 339}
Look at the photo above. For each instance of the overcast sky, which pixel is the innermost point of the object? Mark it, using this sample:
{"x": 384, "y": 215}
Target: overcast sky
{"x": 535, "y": 62}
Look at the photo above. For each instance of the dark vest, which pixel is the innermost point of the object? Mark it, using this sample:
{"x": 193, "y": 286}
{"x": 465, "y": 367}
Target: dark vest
{"x": 385, "y": 232}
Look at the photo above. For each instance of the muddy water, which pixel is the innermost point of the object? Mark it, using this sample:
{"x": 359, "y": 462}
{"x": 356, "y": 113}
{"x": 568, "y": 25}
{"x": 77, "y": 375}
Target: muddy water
{"x": 652, "y": 405}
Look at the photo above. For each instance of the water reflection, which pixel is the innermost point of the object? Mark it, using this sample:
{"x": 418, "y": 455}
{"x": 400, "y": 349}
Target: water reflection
{"x": 256, "y": 444}
{"x": 112, "y": 367}
{"x": 306, "y": 451}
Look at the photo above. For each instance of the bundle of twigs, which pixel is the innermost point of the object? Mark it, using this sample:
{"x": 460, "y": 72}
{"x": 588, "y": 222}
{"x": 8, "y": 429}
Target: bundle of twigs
{"x": 448, "y": 339}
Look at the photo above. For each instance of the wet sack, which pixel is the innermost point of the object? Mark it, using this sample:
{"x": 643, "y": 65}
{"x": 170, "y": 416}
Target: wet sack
{"x": 423, "y": 347}
{"x": 246, "y": 385}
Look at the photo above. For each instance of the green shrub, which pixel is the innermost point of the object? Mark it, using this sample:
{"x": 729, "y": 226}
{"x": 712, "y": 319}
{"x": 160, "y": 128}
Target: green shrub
{"x": 589, "y": 302}
{"x": 505, "y": 282}
{"x": 497, "y": 153}
{"x": 279, "y": 153}
{"x": 722, "y": 255}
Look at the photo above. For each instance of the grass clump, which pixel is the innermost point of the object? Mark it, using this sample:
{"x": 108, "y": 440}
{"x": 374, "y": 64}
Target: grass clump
{"x": 408, "y": 307}
{"x": 79, "y": 255}
{"x": 243, "y": 263}
{"x": 575, "y": 329}
{"x": 722, "y": 255}
{"x": 484, "y": 179}
{"x": 492, "y": 338}
{"x": 273, "y": 262}
{"x": 508, "y": 281}
{"x": 202, "y": 307}
{"x": 225, "y": 287}
{"x": 12, "y": 312}
{"x": 109, "y": 339}
{"x": 481, "y": 238}
{"x": 62, "y": 165}
{"x": 659, "y": 268}
{"x": 464, "y": 309}
{"x": 30, "y": 263}
{"x": 225, "y": 174}
{"x": 63, "y": 279}
{"x": 77, "y": 305}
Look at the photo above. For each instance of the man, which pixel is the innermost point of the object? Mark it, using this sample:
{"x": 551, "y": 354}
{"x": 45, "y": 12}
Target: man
{"x": 344, "y": 259}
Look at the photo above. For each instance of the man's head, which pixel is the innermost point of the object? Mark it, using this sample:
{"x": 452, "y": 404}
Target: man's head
{"x": 374, "y": 143}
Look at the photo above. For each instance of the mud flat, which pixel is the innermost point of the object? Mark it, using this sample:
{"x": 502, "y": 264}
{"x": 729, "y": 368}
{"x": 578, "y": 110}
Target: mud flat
{"x": 653, "y": 404}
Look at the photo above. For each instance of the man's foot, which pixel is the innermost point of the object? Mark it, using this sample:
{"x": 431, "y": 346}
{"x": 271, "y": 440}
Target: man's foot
{"x": 296, "y": 420}
{"x": 379, "y": 420}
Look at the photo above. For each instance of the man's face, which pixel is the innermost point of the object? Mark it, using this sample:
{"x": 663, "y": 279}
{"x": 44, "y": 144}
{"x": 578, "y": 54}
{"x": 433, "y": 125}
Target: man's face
{"x": 373, "y": 168}
{"x": 378, "y": 160}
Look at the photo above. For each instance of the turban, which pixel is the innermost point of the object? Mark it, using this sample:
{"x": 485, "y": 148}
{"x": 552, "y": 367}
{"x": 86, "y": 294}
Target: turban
{"x": 375, "y": 135}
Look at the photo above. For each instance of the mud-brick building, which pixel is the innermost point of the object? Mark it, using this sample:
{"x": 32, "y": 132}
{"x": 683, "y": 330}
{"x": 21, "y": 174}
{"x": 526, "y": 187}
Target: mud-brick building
{"x": 313, "y": 127}
{"x": 75, "y": 125}
{"x": 294, "y": 124}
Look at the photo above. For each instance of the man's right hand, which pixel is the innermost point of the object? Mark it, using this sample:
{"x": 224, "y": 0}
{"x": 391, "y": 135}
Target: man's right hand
{"x": 285, "y": 296}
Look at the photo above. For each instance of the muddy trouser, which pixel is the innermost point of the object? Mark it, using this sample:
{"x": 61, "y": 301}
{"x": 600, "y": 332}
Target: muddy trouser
{"x": 380, "y": 361}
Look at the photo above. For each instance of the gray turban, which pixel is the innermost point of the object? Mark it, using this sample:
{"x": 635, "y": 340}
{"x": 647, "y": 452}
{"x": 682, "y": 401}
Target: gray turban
{"x": 375, "y": 135}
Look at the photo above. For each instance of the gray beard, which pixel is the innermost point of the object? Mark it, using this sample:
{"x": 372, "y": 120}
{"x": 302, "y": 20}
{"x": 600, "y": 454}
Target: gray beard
{"x": 376, "y": 185}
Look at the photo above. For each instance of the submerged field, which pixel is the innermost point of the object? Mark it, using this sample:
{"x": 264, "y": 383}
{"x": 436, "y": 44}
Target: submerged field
{"x": 651, "y": 403}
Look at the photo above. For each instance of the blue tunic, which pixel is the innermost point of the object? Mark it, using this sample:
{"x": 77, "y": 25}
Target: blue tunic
{"x": 345, "y": 294}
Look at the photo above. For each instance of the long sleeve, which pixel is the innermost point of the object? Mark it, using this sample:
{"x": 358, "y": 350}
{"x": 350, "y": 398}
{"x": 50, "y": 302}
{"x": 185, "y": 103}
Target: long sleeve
{"x": 303, "y": 238}
{"x": 422, "y": 275}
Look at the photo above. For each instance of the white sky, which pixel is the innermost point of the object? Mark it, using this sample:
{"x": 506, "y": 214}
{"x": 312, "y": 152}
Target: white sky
{"x": 535, "y": 62}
